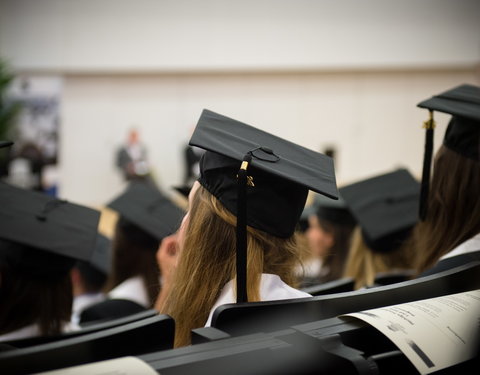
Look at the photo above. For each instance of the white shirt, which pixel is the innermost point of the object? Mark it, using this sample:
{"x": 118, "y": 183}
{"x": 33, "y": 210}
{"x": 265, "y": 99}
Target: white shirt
{"x": 469, "y": 246}
{"x": 83, "y": 301}
{"x": 132, "y": 289}
{"x": 271, "y": 288}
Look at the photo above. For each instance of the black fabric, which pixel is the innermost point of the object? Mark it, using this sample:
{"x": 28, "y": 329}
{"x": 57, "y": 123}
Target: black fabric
{"x": 5, "y": 144}
{"x": 274, "y": 204}
{"x": 145, "y": 206}
{"x": 452, "y": 262}
{"x": 42, "y": 222}
{"x": 109, "y": 309}
{"x": 271, "y": 154}
{"x": 385, "y": 207}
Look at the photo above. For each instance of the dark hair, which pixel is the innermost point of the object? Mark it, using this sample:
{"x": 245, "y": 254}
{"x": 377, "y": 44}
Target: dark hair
{"x": 93, "y": 280}
{"x": 453, "y": 208}
{"x": 134, "y": 254}
{"x": 43, "y": 298}
{"x": 336, "y": 257}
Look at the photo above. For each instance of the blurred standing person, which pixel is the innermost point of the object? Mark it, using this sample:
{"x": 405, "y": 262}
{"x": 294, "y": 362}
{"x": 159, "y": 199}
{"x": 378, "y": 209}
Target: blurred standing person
{"x": 132, "y": 159}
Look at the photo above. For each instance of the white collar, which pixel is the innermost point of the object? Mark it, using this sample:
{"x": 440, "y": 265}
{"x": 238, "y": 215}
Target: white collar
{"x": 132, "y": 289}
{"x": 469, "y": 246}
{"x": 271, "y": 288}
{"x": 83, "y": 301}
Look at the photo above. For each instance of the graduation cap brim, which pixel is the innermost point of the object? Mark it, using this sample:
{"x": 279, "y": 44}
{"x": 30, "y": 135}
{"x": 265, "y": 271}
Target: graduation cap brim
{"x": 146, "y": 207}
{"x": 384, "y": 205}
{"x": 272, "y": 154}
{"x": 40, "y": 221}
{"x": 5, "y": 144}
{"x": 461, "y": 101}
{"x": 102, "y": 256}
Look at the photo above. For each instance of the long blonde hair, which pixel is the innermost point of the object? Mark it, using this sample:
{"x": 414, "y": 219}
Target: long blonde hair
{"x": 363, "y": 264}
{"x": 207, "y": 263}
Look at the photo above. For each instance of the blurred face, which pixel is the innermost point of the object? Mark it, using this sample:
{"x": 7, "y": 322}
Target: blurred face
{"x": 181, "y": 231}
{"x": 319, "y": 241}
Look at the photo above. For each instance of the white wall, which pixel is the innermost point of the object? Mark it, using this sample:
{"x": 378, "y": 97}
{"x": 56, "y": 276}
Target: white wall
{"x": 371, "y": 119}
{"x": 318, "y": 72}
{"x": 179, "y": 35}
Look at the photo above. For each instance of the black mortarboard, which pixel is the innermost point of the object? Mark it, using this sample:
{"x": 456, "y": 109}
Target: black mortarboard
{"x": 5, "y": 144}
{"x": 102, "y": 254}
{"x": 37, "y": 222}
{"x": 463, "y": 132}
{"x": 332, "y": 211}
{"x": 385, "y": 208}
{"x": 145, "y": 206}
{"x": 244, "y": 164}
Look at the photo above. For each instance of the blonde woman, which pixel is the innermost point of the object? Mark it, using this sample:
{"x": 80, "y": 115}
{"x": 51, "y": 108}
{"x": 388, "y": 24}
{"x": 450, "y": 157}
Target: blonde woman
{"x": 206, "y": 268}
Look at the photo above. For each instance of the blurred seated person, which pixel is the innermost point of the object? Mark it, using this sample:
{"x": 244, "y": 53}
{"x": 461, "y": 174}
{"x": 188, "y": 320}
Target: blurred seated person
{"x": 449, "y": 234}
{"x": 146, "y": 217}
{"x": 385, "y": 208}
{"x": 89, "y": 278}
{"x": 329, "y": 231}
{"x": 225, "y": 254}
{"x": 41, "y": 238}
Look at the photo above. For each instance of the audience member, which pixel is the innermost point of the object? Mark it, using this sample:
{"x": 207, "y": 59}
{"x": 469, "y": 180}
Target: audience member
{"x": 385, "y": 208}
{"x": 40, "y": 240}
{"x": 449, "y": 236}
{"x": 274, "y": 190}
{"x": 146, "y": 218}
{"x": 89, "y": 278}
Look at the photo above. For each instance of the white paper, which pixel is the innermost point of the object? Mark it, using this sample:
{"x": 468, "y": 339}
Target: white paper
{"x": 118, "y": 366}
{"x": 434, "y": 333}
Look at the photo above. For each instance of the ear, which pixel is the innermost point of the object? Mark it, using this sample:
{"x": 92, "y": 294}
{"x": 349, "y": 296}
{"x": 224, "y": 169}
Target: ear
{"x": 75, "y": 276}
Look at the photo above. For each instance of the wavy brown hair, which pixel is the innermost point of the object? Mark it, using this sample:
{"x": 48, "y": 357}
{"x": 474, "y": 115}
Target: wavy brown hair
{"x": 133, "y": 254}
{"x": 453, "y": 214}
{"x": 207, "y": 263}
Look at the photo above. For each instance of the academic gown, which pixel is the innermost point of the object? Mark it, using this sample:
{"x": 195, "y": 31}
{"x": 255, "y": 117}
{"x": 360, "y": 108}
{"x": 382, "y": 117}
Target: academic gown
{"x": 271, "y": 288}
{"x": 466, "y": 252}
{"x": 82, "y": 302}
{"x": 127, "y": 298}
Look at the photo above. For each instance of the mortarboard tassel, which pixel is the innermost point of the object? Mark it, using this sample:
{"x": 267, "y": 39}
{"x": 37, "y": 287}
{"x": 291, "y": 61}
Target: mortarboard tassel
{"x": 241, "y": 251}
{"x": 429, "y": 125}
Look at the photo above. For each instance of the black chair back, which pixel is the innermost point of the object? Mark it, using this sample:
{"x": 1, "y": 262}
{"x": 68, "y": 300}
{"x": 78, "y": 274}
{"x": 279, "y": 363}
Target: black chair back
{"x": 336, "y": 286}
{"x": 143, "y": 336}
{"x": 241, "y": 319}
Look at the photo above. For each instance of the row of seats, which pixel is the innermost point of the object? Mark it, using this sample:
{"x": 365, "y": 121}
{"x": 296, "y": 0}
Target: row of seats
{"x": 242, "y": 334}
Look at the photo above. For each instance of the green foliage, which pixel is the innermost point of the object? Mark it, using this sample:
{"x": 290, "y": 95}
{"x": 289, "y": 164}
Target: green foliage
{"x": 8, "y": 109}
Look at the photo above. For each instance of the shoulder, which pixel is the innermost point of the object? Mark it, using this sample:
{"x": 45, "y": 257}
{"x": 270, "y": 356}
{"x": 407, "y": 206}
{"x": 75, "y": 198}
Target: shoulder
{"x": 272, "y": 288}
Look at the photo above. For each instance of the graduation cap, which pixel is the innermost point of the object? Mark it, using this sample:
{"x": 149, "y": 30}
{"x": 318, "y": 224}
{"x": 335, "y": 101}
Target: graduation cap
{"x": 463, "y": 132}
{"x": 260, "y": 178}
{"x": 34, "y": 225}
{"x": 5, "y": 144}
{"x": 385, "y": 208}
{"x": 333, "y": 211}
{"x": 102, "y": 254}
{"x": 145, "y": 206}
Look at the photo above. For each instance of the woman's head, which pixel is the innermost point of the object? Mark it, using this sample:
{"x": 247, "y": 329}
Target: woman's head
{"x": 133, "y": 254}
{"x": 35, "y": 288}
{"x": 207, "y": 260}
{"x": 453, "y": 207}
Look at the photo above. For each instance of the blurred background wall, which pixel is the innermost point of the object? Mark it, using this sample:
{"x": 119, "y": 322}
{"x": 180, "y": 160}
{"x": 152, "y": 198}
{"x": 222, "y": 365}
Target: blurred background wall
{"x": 342, "y": 74}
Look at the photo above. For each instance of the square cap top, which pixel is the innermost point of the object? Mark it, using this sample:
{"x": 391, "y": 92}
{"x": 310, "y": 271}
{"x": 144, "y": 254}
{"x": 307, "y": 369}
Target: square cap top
{"x": 463, "y": 132}
{"x": 272, "y": 154}
{"x": 145, "y": 206}
{"x": 40, "y": 221}
{"x": 385, "y": 207}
